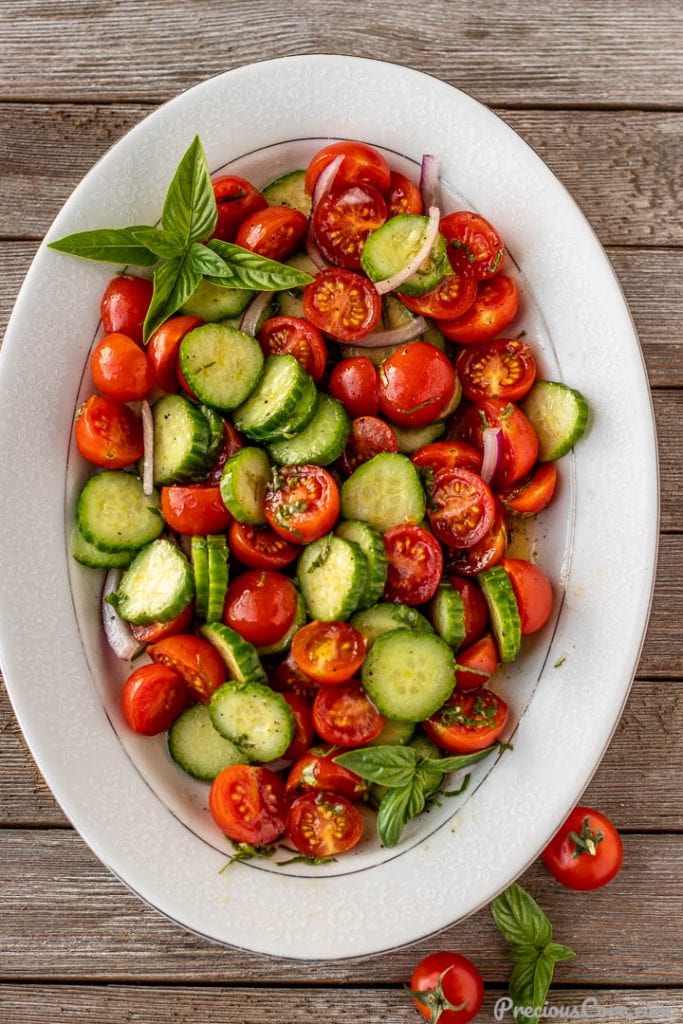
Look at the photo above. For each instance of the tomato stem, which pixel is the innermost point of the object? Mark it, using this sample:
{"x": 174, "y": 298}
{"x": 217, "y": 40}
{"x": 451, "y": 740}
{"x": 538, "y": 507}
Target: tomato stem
{"x": 435, "y": 999}
{"x": 586, "y": 841}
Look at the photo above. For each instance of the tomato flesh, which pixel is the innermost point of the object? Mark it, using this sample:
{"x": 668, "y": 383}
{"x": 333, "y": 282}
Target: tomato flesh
{"x": 249, "y": 804}
{"x": 287, "y": 677}
{"x": 317, "y": 771}
{"x": 462, "y": 507}
{"x": 354, "y": 383}
{"x": 486, "y": 552}
{"x": 519, "y": 439}
{"x": 195, "y": 660}
{"x": 261, "y": 606}
{"x": 414, "y": 564}
{"x": 152, "y": 698}
{"x": 504, "y": 368}
{"x": 342, "y": 304}
{"x": 480, "y": 657}
{"x": 159, "y": 630}
{"x": 290, "y": 335}
{"x": 124, "y": 305}
{"x": 458, "y": 982}
{"x": 108, "y": 433}
{"x": 323, "y": 824}
{"x": 447, "y": 455}
{"x": 163, "y": 348}
{"x": 329, "y": 652}
{"x": 417, "y": 382}
{"x": 342, "y": 221}
{"x": 451, "y": 298}
{"x": 194, "y": 509}
{"x": 302, "y": 503}
{"x": 345, "y": 716}
{"x": 472, "y": 241}
{"x": 528, "y": 497}
{"x": 533, "y": 592}
{"x": 493, "y": 309}
{"x": 276, "y": 232}
{"x": 260, "y": 548}
{"x": 361, "y": 165}
{"x": 587, "y": 851}
{"x": 404, "y": 195}
{"x": 468, "y": 722}
{"x": 236, "y": 199}
{"x": 369, "y": 436}
{"x": 120, "y": 369}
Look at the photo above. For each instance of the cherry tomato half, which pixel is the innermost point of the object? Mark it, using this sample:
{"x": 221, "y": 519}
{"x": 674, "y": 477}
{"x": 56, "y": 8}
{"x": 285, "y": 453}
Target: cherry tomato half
{"x": 362, "y": 165}
{"x": 504, "y": 368}
{"x": 275, "y": 232}
{"x": 329, "y": 652}
{"x": 108, "y": 433}
{"x": 261, "y": 606}
{"x": 454, "y": 980}
{"x": 493, "y": 309}
{"x": 404, "y": 195}
{"x": 159, "y": 630}
{"x": 287, "y": 677}
{"x": 236, "y": 199}
{"x": 476, "y": 609}
{"x": 162, "y": 350}
{"x": 342, "y": 221}
{"x": 303, "y": 726}
{"x": 586, "y": 853}
{"x": 124, "y": 305}
{"x": 260, "y": 548}
{"x": 342, "y": 304}
{"x": 290, "y": 335}
{"x": 317, "y": 771}
{"x": 195, "y": 660}
{"x": 486, "y": 552}
{"x": 447, "y": 455}
{"x": 468, "y": 722}
{"x": 520, "y": 441}
{"x": 481, "y": 658}
{"x": 527, "y": 497}
{"x": 323, "y": 824}
{"x": 369, "y": 436}
{"x": 302, "y": 503}
{"x": 249, "y": 804}
{"x": 119, "y": 368}
{"x": 533, "y": 592}
{"x": 194, "y": 509}
{"x": 345, "y": 716}
{"x": 354, "y": 383}
{"x": 417, "y": 382}
{"x": 152, "y": 698}
{"x": 452, "y": 297}
{"x": 473, "y": 241}
{"x": 414, "y": 564}
{"x": 461, "y": 509}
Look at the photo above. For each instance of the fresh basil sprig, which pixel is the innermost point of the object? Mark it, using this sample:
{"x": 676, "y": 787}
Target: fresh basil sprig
{"x": 534, "y": 954}
{"x": 109, "y": 245}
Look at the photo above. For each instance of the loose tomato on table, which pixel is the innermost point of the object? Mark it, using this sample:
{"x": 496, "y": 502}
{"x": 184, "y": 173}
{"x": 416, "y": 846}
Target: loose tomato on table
{"x": 124, "y": 305}
{"x": 587, "y": 851}
{"x": 416, "y": 384}
{"x": 345, "y": 716}
{"x": 163, "y": 347}
{"x": 447, "y": 455}
{"x": 236, "y": 199}
{"x": 160, "y": 630}
{"x": 261, "y": 606}
{"x": 461, "y": 508}
{"x": 249, "y": 804}
{"x": 120, "y": 369}
{"x": 476, "y": 609}
{"x": 519, "y": 439}
{"x": 301, "y": 503}
{"x": 447, "y": 988}
{"x": 452, "y": 297}
{"x": 323, "y": 824}
{"x": 194, "y": 509}
{"x": 303, "y": 726}
{"x": 152, "y": 698}
{"x": 195, "y": 660}
{"x": 361, "y": 165}
{"x": 108, "y": 433}
{"x": 328, "y": 652}
{"x": 354, "y": 383}
{"x": 493, "y": 309}
{"x": 318, "y": 772}
{"x": 414, "y": 564}
{"x": 528, "y": 497}
{"x": 468, "y": 722}
{"x": 276, "y": 232}
{"x": 260, "y": 548}
{"x": 481, "y": 658}
{"x": 342, "y": 221}
{"x": 404, "y": 195}
{"x": 291, "y": 335}
{"x": 287, "y": 677}
{"x": 533, "y": 592}
{"x": 232, "y": 442}
{"x": 473, "y": 241}
{"x": 504, "y": 369}
{"x": 369, "y": 436}
{"x": 342, "y": 304}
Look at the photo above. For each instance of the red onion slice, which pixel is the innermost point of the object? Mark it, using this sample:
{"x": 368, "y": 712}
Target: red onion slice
{"x": 314, "y": 252}
{"x": 148, "y": 449}
{"x": 252, "y": 314}
{"x": 390, "y": 284}
{"x": 325, "y": 179}
{"x": 118, "y": 634}
{"x": 493, "y": 452}
{"x": 429, "y": 181}
{"x": 397, "y": 336}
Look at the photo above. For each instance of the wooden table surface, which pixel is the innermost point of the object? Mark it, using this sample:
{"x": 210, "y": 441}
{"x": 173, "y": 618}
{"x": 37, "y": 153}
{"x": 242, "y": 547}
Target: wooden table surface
{"x": 597, "y": 89}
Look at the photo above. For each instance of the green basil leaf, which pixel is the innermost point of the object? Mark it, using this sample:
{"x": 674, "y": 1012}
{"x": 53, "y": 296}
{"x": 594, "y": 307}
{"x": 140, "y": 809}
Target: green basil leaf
{"x": 520, "y": 919}
{"x": 521, "y": 990}
{"x": 543, "y": 976}
{"x": 524, "y": 953}
{"x": 190, "y": 206}
{"x": 453, "y": 764}
{"x": 396, "y": 808}
{"x": 209, "y": 264}
{"x": 558, "y": 952}
{"x": 108, "y": 245}
{"x": 174, "y": 282}
{"x": 257, "y": 272}
{"x": 161, "y": 243}
{"x": 388, "y": 766}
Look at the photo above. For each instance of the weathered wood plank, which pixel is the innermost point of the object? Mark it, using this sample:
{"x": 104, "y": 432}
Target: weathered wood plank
{"x": 537, "y": 53}
{"x": 64, "y": 916}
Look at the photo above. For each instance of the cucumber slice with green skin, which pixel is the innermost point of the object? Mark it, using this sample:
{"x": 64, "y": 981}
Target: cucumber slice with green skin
{"x": 253, "y": 717}
{"x": 217, "y": 550}
{"x": 221, "y": 364}
{"x": 408, "y": 675}
{"x": 273, "y": 401}
{"x": 156, "y": 587}
{"x": 382, "y": 618}
{"x": 285, "y": 643}
{"x": 332, "y": 576}
{"x": 503, "y": 611}
{"x": 410, "y": 439}
{"x": 200, "y": 573}
{"x": 371, "y": 544}
{"x": 320, "y": 442}
{"x": 88, "y": 554}
{"x": 447, "y": 611}
{"x": 210, "y": 302}
{"x": 384, "y": 492}
{"x": 240, "y": 657}
{"x": 394, "y": 734}
{"x": 182, "y": 441}
{"x": 198, "y": 748}
{"x": 243, "y": 485}
{"x": 390, "y": 248}
{"x": 216, "y": 432}
{"x": 559, "y": 415}
{"x": 114, "y": 514}
{"x": 305, "y": 410}
{"x": 289, "y": 190}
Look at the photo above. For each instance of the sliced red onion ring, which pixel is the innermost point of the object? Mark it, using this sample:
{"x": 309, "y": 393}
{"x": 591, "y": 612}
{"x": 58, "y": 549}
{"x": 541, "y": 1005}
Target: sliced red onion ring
{"x": 390, "y": 284}
{"x": 148, "y": 449}
{"x": 325, "y": 179}
{"x": 429, "y": 181}
{"x": 493, "y": 452}
{"x": 252, "y": 313}
{"x": 314, "y": 252}
{"x": 118, "y": 634}
{"x": 397, "y": 336}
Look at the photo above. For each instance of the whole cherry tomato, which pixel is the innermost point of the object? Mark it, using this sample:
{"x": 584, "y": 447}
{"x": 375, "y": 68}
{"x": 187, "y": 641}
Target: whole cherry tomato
{"x": 124, "y": 305}
{"x": 261, "y": 606}
{"x": 587, "y": 851}
{"x": 236, "y": 199}
{"x": 417, "y": 382}
{"x": 152, "y": 698}
{"x": 361, "y": 165}
{"x": 354, "y": 383}
{"x": 194, "y": 509}
{"x": 276, "y": 232}
{"x": 108, "y": 433}
{"x": 447, "y": 979}
{"x": 162, "y": 350}
{"x": 119, "y": 368}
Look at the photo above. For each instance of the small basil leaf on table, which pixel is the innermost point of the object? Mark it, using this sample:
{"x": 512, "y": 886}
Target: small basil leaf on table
{"x": 108, "y": 245}
{"x": 190, "y": 205}
{"x": 520, "y": 919}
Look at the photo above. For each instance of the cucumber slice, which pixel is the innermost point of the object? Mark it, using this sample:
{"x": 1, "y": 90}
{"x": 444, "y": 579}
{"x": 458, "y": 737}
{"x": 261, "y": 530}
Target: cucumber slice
{"x": 216, "y": 432}
{"x": 221, "y": 364}
{"x": 558, "y": 414}
{"x": 182, "y": 441}
{"x": 371, "y": 544}
{"x": 382, "y": 618}
{"x": 384, "y": 492}
{"x": 87, "y": 554}
{"x": 217, "y": 550}
{"x": 243, "y": 485}
{"x": 200, "y": 573}
{"x": 198, "y": 748}
{"x": 156, "y": 587}
{"x": 289, "y": 190}
{"x": 394, "y": 734}
{"x": 503, "y": 611}
{"x": 239, "y": 655}
{"x": 255, "y": 718}
{"x": 408, "y": 674}
{"x": 274, "y": 399}
{"x": 391, "y": 247}
{"x": 332, "y": 577}
{"x": 210, "y": 302}
{"x": 320, "y": 442}
{"x": 411, "y": 438}
{"x": 447, "y": 611}
{"x": 305, "y": 410}
{"x": 114, "y": 514}
{"x": 285, "y": 643}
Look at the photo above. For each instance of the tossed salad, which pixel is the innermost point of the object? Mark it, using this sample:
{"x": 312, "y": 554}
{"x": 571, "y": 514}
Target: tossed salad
{"x": 311, "y": 434}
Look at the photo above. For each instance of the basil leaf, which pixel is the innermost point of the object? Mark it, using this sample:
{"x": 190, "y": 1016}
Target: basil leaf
{"x": 397, "y": 807}
{"x": 453, "y": 764}
{"x": 524, "y": 953}
{"x": 558, "y": 952}
{"x": 161, "y": 243}
{"x": 388, "y": 766}
{"x": 209, "y": 264}
{"x": 108, "y": 245}
{"x": 521, "y": 990}
{"x": 190, "y": 206}
{"x": 174, "y": 282}
{"x": 520, "y": 919}
{"x": 253, "y": 271}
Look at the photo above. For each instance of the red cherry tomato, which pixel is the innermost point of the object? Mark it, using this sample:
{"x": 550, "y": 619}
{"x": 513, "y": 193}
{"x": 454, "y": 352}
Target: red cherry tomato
{"x": 195, "y": 660}
{"x": 473, "y": 241}
{"x": 323, "y": 824}
{"x": 342, "y": 304}
{"x": 520, "y": 441}
{"x": 194, "y": 509}
{"x": 152, "y": 698}
{"x": 530, "y": 496}
{"x": 354, "y": 383}
{"x": 533, "y": 592}
{"x": 447, "y": 455}
{"x": 249, "y": 804}
{"x": 261, "y": 606}
{"x": 236, "y": 199}
{"x": 288, "y": 678}
{"x": 159, "y": 630}
{"x": 260, "y": 548}
{"x": 476, "y": 609}
{"x": 452, "y": 297}
{"x": 505, "y": 368}
{"x": 290, "y": 335}
{"x": 345, "y": 716}
{"x": 453, "y": 979}
{"x": 586, "y": 853}
{"x": 329, "y": 652}
{"x": 481, "y": 657}
{"x": 276, "y": 232}
{"x": 362, "y": 165}
{"x": 461, "y": 508}
{"x": 369, "y": 437}
{"x": 414, "y": 564}
{"x": 303, "y": 726}
{"x": 119, "y": 368}
{"x": 486, "y": 552}
{"x": 162, "y": 350}
{"x": 404, "y": 195}
{"x": 468, "y": 722}
{"x": 232, "y": 442}
{"x": 302, "y": 503}
{"x": 316, "y": 771}
{"x": 182, "y": 380}
{"x": 342, "y": 221}
{"x": 124, "y": 305}
{"x": 417, "y": 382}
{"x": 108, "y": 433}
{"x": 493, "y": 309}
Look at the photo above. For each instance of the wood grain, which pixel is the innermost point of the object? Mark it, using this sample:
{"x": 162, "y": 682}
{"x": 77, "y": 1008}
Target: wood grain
{"x": 534, "y": 53}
